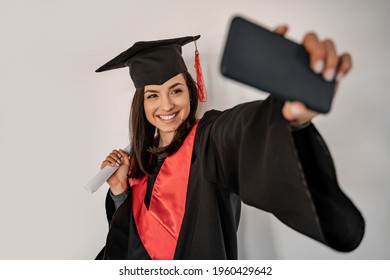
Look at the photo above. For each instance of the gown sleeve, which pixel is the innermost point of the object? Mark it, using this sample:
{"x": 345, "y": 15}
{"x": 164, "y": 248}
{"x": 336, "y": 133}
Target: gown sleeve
{"x": 252, "y": 150}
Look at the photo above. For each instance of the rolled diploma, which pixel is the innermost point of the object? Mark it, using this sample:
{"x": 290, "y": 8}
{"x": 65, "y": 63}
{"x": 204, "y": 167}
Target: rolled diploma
{"x": 98, "y": 180}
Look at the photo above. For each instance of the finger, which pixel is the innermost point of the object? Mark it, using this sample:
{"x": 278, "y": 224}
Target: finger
{"x": 297, "y": 113}
{"x": 112, "y": 161}
{"x": 331, "y": 60}
{"x": 114, "y": 158}
{"x": 124, "y": 157}
{"x": 115, "y": 154}
{"x": 106, "y": 163}
{"x": 344, "y": 66}
{"x": 281, "y": 30}
{"x": 291, "y": 112}
{"x": 316, "y": 52}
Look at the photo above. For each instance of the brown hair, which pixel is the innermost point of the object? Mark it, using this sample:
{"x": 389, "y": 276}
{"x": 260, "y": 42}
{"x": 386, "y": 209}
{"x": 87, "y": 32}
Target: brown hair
{"x": 142, "y": 131}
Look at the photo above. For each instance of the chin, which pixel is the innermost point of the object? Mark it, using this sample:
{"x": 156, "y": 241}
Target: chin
{"x": 168, "y": 130}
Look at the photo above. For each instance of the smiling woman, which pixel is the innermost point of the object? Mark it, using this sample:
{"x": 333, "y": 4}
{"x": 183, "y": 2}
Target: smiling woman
{"x": 143, "y": 124}
{"x": 178, "y": 194}
{"x": 167, "y": 106}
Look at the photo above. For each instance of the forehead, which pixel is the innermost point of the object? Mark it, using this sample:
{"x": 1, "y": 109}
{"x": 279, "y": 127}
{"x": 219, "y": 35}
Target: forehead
{"x": 172, "y": 81}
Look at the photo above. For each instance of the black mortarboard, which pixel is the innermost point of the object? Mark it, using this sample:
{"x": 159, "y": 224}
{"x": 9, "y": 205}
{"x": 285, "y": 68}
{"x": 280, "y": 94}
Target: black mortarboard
{"x": 152, "y": 62}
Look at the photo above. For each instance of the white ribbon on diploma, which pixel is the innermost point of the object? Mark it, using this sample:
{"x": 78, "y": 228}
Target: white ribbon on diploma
{"x": 98, "y": 180}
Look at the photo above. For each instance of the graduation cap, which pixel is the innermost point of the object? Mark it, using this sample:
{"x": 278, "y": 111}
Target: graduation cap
{"x": 155, "y": 62}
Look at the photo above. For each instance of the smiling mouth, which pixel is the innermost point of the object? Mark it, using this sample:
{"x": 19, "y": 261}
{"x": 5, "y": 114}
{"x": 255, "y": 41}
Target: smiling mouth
{"x": 167, "y": 117}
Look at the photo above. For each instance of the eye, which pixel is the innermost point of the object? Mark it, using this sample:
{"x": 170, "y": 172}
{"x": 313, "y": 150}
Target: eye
{"x": 177, "y": 91}
{"x": 151, "y": 96}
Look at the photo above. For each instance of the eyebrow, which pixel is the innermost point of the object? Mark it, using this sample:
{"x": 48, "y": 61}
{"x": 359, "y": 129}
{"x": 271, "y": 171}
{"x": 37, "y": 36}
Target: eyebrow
{"x": 171, "y": 87}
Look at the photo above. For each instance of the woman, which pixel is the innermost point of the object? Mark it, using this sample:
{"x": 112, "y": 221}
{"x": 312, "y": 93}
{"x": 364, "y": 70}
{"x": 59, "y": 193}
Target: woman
{"x": 177, "y": 195}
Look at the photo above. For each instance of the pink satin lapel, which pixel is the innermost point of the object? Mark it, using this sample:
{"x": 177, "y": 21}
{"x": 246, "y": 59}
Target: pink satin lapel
{"x": 159, "y": 227}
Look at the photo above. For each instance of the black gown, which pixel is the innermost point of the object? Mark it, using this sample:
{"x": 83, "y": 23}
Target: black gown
{"x": 249, "y": 153}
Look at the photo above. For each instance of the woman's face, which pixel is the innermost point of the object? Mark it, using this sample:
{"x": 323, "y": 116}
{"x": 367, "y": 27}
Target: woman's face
{"x": 167, "y": 106}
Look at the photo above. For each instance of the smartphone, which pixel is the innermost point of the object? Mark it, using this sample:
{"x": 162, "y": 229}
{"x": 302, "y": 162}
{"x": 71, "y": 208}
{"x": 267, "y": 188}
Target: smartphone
{"x": 260, "y": 58}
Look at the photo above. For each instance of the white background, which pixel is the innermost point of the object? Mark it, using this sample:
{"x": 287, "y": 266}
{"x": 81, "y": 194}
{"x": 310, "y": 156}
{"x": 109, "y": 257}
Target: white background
{"x": 59, "y": 119}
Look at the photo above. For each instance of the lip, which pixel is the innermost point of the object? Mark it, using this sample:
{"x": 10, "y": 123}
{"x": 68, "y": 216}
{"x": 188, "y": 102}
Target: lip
{"x": 167, "y": 118}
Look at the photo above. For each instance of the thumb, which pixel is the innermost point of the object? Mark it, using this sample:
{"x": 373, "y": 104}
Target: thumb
{"x": 292, "y": 111}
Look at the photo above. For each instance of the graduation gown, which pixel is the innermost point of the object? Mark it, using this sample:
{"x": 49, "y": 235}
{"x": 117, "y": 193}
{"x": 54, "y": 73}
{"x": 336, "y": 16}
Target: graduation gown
{"x": 249, "y": 153}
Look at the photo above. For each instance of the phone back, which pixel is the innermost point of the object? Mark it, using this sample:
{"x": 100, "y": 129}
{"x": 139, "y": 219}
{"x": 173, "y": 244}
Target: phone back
{"x": 267, "y": 61}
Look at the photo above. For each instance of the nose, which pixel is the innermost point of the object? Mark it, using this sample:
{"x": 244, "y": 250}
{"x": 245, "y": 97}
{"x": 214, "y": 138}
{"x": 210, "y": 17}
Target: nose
{"x": 166, "y": 103}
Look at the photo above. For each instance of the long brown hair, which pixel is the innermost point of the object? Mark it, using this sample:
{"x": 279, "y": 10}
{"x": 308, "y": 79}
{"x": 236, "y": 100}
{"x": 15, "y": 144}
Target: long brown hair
{"x": 142, "y": 131}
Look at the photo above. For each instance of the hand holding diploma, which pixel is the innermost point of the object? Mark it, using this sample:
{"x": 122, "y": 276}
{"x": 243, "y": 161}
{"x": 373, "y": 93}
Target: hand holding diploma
{"x": 118, "y": 160}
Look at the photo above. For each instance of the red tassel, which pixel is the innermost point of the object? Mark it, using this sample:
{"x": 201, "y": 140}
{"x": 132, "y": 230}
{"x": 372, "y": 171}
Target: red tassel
{"x": 202, "y": 93}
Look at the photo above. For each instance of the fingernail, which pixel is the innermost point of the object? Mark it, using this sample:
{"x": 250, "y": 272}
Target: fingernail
{"x": 119, "y": 161}
{"x": 329, "y": 74}
{"x": 339, "y": 76}
{"x": 318, "y": 66}
{"x": 295, "y": 110}
{"x": 112, "y": 164}
{"x": 117, "y": 164}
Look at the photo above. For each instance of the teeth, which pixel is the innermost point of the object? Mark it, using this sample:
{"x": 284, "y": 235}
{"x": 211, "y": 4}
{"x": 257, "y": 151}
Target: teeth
{"x": 167, "y": 117}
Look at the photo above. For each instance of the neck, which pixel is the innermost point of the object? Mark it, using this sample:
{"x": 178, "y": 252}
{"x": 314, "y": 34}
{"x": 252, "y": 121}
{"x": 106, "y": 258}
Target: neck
{"x": 165, "y": 139}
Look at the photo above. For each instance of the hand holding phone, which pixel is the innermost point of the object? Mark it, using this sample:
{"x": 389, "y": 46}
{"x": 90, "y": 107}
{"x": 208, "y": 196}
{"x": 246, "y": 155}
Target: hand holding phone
{"x": 267, "y": 61}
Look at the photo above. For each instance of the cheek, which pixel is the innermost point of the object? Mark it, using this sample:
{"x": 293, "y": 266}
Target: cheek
{"x": 186, "y": 105}
{"x": 188, "y": 109}
{"x": 149, "y": 110}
